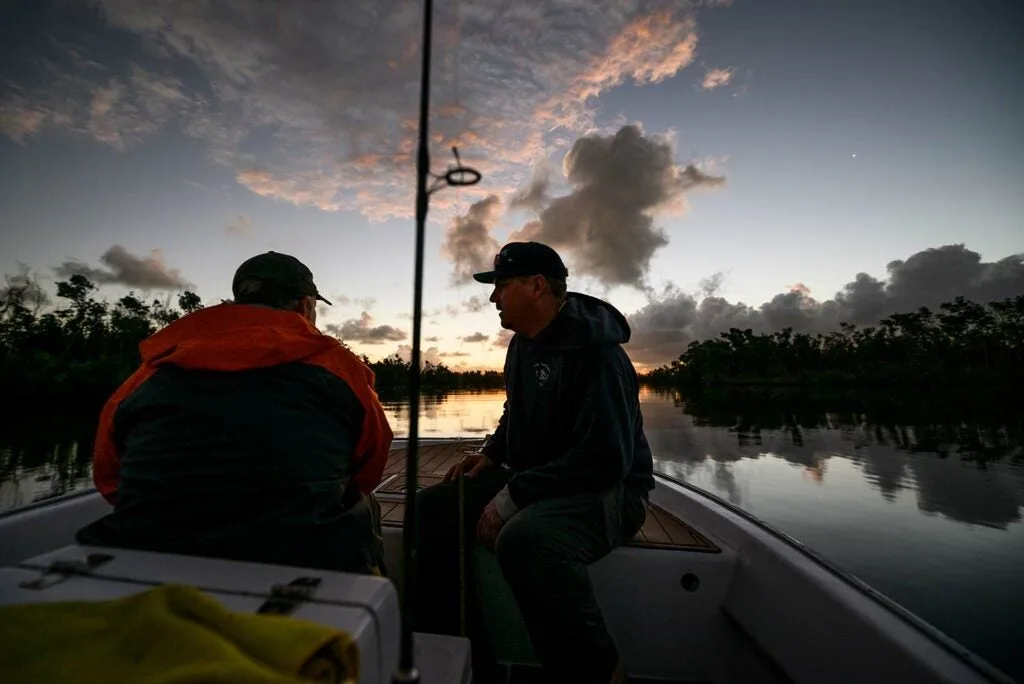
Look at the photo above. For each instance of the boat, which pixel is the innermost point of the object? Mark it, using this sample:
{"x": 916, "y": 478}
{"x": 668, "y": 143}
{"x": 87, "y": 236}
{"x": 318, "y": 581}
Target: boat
{"x": 704, "y": 593}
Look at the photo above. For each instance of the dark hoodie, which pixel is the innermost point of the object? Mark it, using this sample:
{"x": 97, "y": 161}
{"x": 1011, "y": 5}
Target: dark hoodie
{"x": 572, "y": 420}
{"x": 236, "y": 438}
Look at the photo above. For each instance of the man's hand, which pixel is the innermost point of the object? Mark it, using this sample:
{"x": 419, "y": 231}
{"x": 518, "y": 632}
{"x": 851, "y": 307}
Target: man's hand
{"x": 472, "y": 464}
{"x": 489, "y": 525}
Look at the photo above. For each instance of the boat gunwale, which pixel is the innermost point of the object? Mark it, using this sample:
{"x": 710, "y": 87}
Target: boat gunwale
{"x": 925, "y": 628}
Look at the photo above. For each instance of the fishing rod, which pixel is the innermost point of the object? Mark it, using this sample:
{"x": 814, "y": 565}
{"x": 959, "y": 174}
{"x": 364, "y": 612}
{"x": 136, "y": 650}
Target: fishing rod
{"x": 457, "y": 175}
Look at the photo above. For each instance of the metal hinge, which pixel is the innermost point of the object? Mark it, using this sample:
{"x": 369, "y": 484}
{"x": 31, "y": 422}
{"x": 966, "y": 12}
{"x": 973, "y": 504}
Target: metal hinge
{"x": 285, "y": 598}
{"x": 63, "y": 570}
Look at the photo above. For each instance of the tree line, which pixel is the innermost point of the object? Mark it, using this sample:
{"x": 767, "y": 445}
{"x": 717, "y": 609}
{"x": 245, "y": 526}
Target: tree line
{"x": 962, "y": 343}
{"x": 81, "y": 348}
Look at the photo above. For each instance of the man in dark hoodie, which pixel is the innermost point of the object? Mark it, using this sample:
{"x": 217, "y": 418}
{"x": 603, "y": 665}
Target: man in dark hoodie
{"x": 563, "y": 480}
{"x": 246, "y": 434}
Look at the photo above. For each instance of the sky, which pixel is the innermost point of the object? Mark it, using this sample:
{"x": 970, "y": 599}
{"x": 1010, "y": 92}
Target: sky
{"x": 700, "y": 164}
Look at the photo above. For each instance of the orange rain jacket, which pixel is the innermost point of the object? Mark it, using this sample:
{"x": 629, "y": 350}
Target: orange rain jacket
{"x": 234, "y": 337}
{"x": 246, "y": 434}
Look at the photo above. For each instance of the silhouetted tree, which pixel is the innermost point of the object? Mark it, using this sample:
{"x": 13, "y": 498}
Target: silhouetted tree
{"x": 82, "y": 348}
{"x": 963, "y": 342}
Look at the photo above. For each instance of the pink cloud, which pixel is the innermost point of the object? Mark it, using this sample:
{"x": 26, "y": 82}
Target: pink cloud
{"x": 716, "y": 78}
{"x": 334, "y": 87}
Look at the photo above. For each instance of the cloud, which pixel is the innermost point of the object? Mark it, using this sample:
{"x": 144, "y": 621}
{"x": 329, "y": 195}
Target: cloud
{"x": 716, "y": 78}
{"x": 314, "y": 103}
{"x": 364, "y": 302}
{"x": 240, "y": 226}
{"x": 535, "y": 195}
{"x": 468, "y": 242}
{"x": 429, "y": 355}
{"x": 503, "y": 338}
{"x": 124, "y": 268}
{"x": 454, "y": 354}
{"x": 207, "y": 189}
{"x": 665, "y": 326}
{"x": 476, "y": 337}
{"x": 343, "y": 300}
{"x": 19, "y": 119}
{"x": 363, "y": 330}
{"x": 476, "y": 304}
{"x": 607, "y": 222}
{"x": 647, "y": 49}
{"x": 433, "y": 338}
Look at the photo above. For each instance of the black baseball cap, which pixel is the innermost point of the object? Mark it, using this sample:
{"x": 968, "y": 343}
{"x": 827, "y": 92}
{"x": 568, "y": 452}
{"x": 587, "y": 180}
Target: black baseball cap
{"x": 281, "y": 276}
{"x": 524, "y": 258}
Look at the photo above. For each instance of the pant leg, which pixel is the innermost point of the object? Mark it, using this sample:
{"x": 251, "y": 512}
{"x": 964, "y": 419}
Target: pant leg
{"x": 437, "y": 547}
{"x": 544, "y": 552}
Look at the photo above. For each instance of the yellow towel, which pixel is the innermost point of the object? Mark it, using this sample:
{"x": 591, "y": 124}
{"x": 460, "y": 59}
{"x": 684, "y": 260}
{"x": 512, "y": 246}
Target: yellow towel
{"x": 168, "y": 635}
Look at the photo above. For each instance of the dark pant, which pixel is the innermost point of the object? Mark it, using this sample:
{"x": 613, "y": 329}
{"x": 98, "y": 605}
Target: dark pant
{"x": 543, "y": 552}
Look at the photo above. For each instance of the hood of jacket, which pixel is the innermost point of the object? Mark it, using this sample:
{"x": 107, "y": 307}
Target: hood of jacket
{"x": 233, "y": 337}
{"x": 584, "y": 321}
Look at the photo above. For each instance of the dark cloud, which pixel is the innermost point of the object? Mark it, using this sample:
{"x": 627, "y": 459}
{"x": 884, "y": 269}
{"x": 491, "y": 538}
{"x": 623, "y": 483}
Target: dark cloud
{"x": 711, "y": 285}
{"x": 434, "y": 338}
{"x": 535, "y": 195}
{"x": 363, "y": 330}
{"x": 124, "y": 268}
{"x": 454, "y": 354}
{"x": 468, "y": 242}
{"x": 663, "y": 329}
{"x": 476, "y": 337}
{"x": 607, "y": 221}
{"x": 342, "y": 300}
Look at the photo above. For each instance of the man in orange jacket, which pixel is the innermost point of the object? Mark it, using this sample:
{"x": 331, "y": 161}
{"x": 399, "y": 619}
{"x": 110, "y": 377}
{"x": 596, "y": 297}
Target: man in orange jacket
{"x": 246, "y": 434}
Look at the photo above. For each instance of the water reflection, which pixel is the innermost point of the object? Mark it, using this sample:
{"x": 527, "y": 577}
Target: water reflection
{"x": 42, "y": 457}
{"x": 469, "y": 414}
{"x": 962, "y": 457}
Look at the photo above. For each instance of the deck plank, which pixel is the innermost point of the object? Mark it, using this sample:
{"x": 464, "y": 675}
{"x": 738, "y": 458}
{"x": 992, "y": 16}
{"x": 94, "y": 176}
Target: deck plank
{"x": 661, "y": 530}
{"x": 395, "y": 516}
{"x": 654, "y": 531}
{"x": 678, "y": 533}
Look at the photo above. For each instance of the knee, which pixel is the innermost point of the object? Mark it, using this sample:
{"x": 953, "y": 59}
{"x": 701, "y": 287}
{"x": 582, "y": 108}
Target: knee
{"x": 519, "y": 548}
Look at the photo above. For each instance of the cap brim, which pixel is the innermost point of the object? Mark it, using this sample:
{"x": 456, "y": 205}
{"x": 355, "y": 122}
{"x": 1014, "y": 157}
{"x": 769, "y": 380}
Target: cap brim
{"x": 485, "y": 277}
{"x": 324, "y": 300}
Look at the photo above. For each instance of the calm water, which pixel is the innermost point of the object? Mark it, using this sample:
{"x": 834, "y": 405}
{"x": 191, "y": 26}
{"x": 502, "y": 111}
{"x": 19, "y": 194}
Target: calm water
{"x": 921, "y": 498}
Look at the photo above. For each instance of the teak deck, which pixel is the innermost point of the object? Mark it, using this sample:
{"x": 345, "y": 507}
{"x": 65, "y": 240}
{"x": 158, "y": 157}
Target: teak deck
{"x": 661, "y": 529}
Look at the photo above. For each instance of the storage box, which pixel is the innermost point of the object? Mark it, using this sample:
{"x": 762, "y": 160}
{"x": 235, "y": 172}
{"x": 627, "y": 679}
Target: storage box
{"x": 365, "y": 607}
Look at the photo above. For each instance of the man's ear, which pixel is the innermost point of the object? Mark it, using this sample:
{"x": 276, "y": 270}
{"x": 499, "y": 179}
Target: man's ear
{"x": 540, "y": 283}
